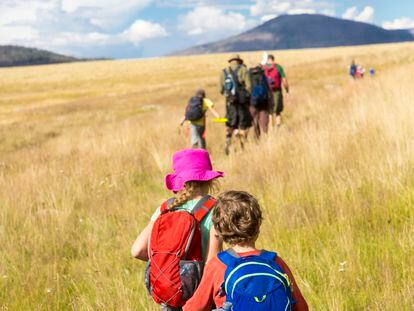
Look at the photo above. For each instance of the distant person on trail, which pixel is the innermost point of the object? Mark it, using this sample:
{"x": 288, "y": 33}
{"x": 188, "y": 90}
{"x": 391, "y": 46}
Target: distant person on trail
{"x": 360, "y": 72}
{"x": 235, "y": 85}
{"x": 195, "y": 113}
{"x": 276, "y": 78}
{"x": 260, "y": 100}
{"x": 244, "y": 278}
{"x": 180, "y": 236}
{"x": 371, "y": 72}
{"x": 353, "y": 69}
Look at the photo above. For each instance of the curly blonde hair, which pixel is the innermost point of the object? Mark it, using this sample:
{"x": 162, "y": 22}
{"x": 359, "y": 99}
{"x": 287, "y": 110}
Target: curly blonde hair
{"x": 190, "y": 189}
{"x": 237, "y": 217}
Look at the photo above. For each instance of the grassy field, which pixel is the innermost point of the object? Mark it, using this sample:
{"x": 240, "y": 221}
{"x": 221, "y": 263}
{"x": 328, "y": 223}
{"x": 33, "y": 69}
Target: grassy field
{"x": 84, "y": 148}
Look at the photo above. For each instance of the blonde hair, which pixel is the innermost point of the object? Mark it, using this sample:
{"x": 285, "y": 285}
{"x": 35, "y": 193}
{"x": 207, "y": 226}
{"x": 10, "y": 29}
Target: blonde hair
{"x": 190, "y": 189}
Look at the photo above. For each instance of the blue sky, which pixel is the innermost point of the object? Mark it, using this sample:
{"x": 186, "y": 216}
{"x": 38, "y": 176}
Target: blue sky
{"x": 149, "y": 28}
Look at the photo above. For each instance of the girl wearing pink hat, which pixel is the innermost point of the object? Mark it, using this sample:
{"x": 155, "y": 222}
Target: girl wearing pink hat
{"x": 192, "y": 182}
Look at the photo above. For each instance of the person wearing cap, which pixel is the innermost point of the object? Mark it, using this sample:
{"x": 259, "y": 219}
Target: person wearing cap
{"x": 235, "y": 85}
{"x": 198, "y": 127}
{"x": 192, "y": 180}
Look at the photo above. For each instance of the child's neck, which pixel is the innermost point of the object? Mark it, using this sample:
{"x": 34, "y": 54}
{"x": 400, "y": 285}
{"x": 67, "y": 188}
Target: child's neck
{"x": 198, "y": 194}
{"x": 249, "y": 247}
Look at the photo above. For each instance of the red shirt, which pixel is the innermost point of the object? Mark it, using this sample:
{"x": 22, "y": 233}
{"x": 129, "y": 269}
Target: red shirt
{"x": 207, "y": 293}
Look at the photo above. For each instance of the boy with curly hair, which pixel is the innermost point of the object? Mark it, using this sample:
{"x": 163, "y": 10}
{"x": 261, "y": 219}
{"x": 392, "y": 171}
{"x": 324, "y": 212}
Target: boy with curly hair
{"x": 245, "y": 277}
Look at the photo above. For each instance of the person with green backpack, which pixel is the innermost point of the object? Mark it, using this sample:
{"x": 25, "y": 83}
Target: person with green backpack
{"x": 235, "y": 85}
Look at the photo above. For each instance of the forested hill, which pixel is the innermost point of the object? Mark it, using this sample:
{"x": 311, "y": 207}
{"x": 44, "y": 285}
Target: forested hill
{"x": 11, "y": 55}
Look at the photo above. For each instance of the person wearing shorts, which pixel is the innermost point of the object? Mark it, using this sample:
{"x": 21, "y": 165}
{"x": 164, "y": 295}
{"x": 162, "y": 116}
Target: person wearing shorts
{"x": 239, "y": 119}
{"x": 276, "y": 87}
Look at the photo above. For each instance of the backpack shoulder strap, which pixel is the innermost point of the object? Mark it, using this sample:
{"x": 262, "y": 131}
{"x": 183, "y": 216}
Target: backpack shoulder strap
{"x": 235, "y": 74}
{"x": 203, "y": 207}
{"x": 271, "y": 256}
{"x": 228, "y": 257}
{"x": 164, "y": 206}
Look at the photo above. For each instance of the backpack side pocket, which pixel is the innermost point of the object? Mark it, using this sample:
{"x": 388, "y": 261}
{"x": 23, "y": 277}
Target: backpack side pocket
{"x": 190, "y": 275}
{"x": 147, "y": 277}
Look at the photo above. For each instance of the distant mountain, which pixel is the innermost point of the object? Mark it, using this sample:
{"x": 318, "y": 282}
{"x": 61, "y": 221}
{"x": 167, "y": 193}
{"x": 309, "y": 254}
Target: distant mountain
{"x": 11, "y": 55}
{"x": 303, "y": 31}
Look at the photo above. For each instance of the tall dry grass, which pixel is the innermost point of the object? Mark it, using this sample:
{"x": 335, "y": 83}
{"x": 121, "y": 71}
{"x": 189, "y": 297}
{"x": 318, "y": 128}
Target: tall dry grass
{"x": 84, "y": 148}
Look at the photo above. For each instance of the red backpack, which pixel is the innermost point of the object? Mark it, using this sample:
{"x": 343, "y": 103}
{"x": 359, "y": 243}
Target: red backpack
{"x": 175, "y": 264}
{"x": 273, "y": 77}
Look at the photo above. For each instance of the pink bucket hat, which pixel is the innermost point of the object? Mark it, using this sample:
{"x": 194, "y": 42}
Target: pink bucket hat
{"x": 190, "y": 165}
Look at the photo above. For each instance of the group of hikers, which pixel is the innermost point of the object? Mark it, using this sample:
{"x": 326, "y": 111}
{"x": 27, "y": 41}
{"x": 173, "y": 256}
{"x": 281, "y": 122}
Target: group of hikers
{"x": 187, "y": 268}
{"x": 254, "y": 98}
{"x": 357, "y": 71}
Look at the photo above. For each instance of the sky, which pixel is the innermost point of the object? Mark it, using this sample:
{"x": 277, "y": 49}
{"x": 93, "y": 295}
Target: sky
{"x": 151, "y": 28}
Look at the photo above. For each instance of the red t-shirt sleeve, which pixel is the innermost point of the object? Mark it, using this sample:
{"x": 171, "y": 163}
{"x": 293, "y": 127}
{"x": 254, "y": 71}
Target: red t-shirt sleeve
{"x": 300, "y": 304}
{"x": 207, "y": 292}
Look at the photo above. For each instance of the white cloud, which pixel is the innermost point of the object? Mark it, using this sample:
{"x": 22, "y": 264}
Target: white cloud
{"x": 70, "y": 25}
{"x": 366, "y": 15}
{"x": 268, "y": 17}
{"x": 10, "y": 34}
{"x": 138, "y": 32}
{"x": 399, "y": 23}
{"x": 142, "y": 30}
{"x": 106, "y": 14}
{"x": 13, "y": 11}
{"x": 350, "y": 13}
{"x": 266, "y": 8}
{"x": 213, "y": 22}
{"x": 301, "y": 11}
{"x": 328, "y": 12}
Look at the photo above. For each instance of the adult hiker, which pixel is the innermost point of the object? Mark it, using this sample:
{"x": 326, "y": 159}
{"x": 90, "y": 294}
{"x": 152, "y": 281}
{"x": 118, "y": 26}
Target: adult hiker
{"x": 276, "y": 78}
{"x": 235, "y": 85}
{"x": 260, "y": 101}
{"x": 195, "y": 113}
{"x": 353, "y": 69}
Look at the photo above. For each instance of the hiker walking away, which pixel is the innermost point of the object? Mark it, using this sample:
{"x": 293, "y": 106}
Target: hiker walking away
{"x": 180, "y": 236}
{"x": 360, "y": 71}
{"x": 353, "y": 69}
{"x": 236, "y": 87}
{"x": 276, "y": 77}
{"x": 244, "y": 278}
{"x": 260, "y": 100}
{"x": 195, "y": 113}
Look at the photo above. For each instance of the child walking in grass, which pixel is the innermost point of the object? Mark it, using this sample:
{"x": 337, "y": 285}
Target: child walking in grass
{"x": 195, "y": 113}
{"x": 243, "y": 277}
{"x": 180, "y": 236}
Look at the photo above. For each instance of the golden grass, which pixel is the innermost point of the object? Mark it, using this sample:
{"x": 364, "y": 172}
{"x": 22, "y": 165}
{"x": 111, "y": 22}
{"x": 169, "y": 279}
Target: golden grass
{"x": 84, "y": 148}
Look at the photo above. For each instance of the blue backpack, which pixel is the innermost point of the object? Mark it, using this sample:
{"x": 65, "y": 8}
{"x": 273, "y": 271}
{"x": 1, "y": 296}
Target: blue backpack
{"x": 352, "y": 70}
{"x": 255, "y": 282}
{"x": 260, "y": 88}
{"x": 194, "y": 110}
